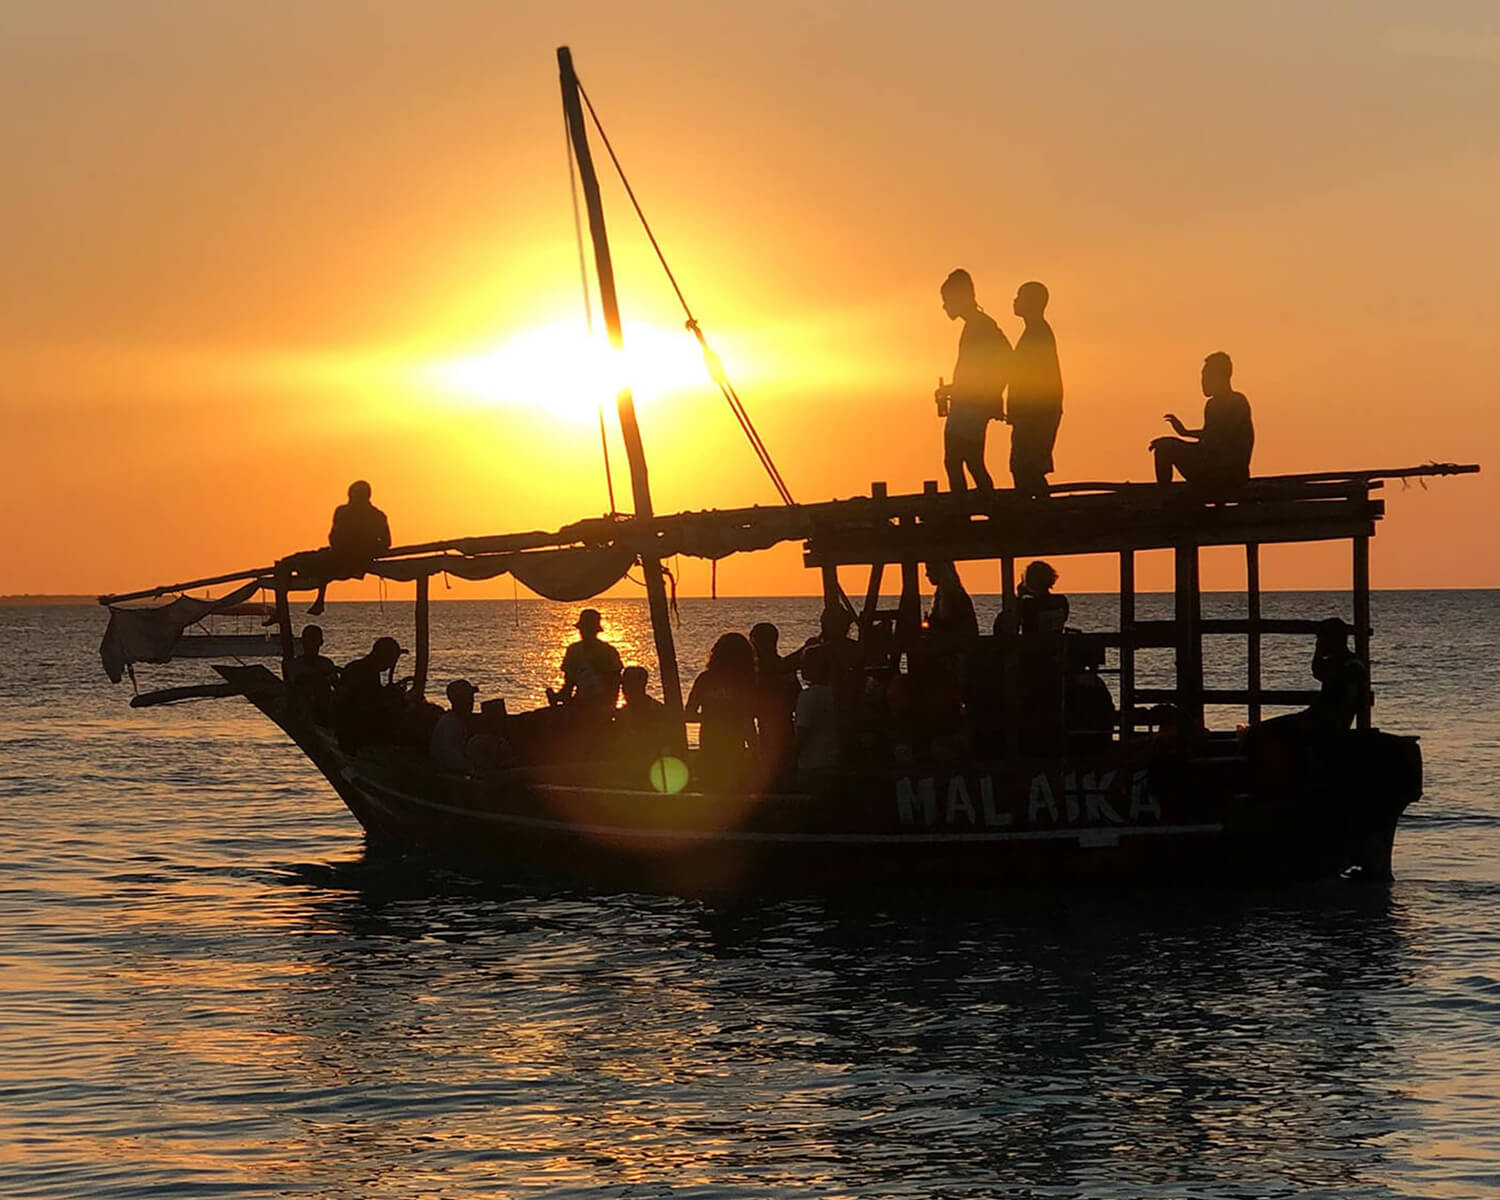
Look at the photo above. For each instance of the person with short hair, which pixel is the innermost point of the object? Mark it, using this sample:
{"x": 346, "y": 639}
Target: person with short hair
{"x": 1035, "y": 394}
{"x": 359, "y": 533}
{"x": 1218, "y": 454}
{"x": 776, "y": 690}
{"x": 590, "y": 668}
{"x": 816, "y": 720}
{"x": 449, "y": 745}
{"x": 312, "y": 675}
{"x": 977, "y": 394}
{"x": 366, "y": 706}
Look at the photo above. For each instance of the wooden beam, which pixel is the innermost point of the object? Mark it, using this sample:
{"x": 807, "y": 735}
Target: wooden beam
{"x": 1127, "y": 647}
{"x": 1252, "y": 620}
{"x": 284, "y": 619}
{"x": 1189, "y": 640}
{"x": 1362, "y": 619}
{"x": 871, "y": 610}
{"x": 1282, "y": 696}
{"x": 424, "y": 639}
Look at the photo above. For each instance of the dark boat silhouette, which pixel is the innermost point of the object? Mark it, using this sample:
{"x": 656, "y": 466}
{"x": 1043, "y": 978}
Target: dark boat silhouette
{"x": 1041, "y": 802}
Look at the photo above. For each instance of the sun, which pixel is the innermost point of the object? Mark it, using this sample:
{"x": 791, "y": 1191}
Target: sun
{"x": 563, "y": 369}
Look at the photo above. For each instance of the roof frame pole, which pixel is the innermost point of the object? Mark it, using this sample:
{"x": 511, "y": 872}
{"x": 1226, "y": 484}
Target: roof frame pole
{"x": 870, "y": 613}
{"x": 1127, "y": 645}
{"x": 1362, "y": 619}
{"x": 909, "y": 609}
{"x": 1010, "y": 707}
{"x": 282, "y": 584}
{"x": 656, "y": 589}
{"x": 424, "y": 637}
{"x": 1189, "y": 636}
{"x": 1253, "y": 631}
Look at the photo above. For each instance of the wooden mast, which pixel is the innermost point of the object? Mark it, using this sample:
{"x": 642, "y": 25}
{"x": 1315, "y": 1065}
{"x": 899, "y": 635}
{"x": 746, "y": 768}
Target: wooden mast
{"x": 656, "y": 591}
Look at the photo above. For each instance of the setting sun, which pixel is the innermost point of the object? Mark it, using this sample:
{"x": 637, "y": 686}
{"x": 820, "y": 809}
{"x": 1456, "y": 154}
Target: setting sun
{"x": 566, "y": 369}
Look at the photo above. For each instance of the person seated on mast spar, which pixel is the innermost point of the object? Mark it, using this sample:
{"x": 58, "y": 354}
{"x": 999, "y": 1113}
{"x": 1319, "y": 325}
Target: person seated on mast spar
{"x": 590, "y": 669}
{"x": 1218, "y": 454}
{"x": 358, "y": 534}
{"x": 366, "y": 707}
{"x": 977, "y": 394}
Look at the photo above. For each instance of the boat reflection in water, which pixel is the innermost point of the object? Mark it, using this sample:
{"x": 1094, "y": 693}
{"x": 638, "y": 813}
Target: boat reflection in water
{"x": 921, "y": 1044}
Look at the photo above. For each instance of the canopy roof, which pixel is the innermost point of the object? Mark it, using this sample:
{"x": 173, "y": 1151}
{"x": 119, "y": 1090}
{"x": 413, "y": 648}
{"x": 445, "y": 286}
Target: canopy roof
{"x": 588, "y": 556}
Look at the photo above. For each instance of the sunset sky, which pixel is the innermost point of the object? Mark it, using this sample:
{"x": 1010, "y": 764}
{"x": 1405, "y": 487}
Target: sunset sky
{"x": 254, "y": 251}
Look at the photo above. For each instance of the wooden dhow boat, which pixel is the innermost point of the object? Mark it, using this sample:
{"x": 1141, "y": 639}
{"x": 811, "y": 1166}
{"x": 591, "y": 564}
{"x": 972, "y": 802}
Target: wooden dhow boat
{"x": 1035, "y": 800}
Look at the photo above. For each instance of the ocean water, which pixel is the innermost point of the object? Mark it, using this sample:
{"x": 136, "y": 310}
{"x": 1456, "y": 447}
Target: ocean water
{"x": 207, "y": 989}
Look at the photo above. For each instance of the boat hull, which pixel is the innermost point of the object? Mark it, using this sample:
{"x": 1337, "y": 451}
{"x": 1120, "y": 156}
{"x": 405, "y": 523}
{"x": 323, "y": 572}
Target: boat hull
{"x": 1135, "y": 812}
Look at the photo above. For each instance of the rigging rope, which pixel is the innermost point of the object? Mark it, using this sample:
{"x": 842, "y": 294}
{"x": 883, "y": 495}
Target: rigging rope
{"x": 588, "y": 306}
{"x": 710, "y": 359}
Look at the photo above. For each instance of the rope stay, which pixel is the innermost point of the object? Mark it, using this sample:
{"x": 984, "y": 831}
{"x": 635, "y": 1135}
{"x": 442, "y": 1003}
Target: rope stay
{"x": 588, "y": 305}
{"x": 711, "y": 360}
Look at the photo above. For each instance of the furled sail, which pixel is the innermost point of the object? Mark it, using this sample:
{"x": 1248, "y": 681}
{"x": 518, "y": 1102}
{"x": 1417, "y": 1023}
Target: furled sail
{"x": 566, "y": 575}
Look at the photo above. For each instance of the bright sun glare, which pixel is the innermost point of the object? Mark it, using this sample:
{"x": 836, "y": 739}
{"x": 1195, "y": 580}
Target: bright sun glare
{"x": 565, "y": 370}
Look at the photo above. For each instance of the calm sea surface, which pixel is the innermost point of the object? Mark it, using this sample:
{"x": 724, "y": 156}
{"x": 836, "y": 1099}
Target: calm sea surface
{"x": 207, "y": 990}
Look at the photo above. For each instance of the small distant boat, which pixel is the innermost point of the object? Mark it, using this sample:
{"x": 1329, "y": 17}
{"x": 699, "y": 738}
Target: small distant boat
{"x": 1072, "y": 804}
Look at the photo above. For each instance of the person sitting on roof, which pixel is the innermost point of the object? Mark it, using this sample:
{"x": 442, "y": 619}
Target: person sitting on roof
{"x": 952, "y": 608}
{"x": 358, "y": 534}
{"x": 313, "y": 675}
{"x": 590, "y": 669}
{"x": 366, "y": 707}
{"x": 449, "y": 745}
{"x": 1040, "y": 610}
{"x": 1219, "y": 453}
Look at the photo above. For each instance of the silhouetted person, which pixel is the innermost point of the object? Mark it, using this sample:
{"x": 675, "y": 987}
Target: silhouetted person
{"x": 1041, "y": 610}
{"x": 313, "y": 675}
{"x": 590, "y": 668}
{"x": 449, "y": 745}
{"x": 1343, "y": 678}
{"x": 776, "y": 690}
{"x": 976, "y": 395}
{"x": 358, "y": 534}
{"x": 1034, "y": 400}
{"x": 816, "y": 722}
{"x": 366, "y": 706}
{"x": 1219, "y": 453}
{"x": 722, "y": 701}
{"x": 952, "y": 608}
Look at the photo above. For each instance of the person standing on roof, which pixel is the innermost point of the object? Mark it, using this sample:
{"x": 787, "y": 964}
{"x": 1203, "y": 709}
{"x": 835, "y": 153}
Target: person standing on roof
{"x": 1219, "y": 453}
{"x": 359, "y": 533}
{"x": 1034, "y": 407}
{"x": 590, "y": 668}
{"x": 977, "y": 394}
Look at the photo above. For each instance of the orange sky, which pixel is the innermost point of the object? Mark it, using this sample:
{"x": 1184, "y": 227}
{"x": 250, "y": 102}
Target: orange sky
{"x": 245, "y": 245}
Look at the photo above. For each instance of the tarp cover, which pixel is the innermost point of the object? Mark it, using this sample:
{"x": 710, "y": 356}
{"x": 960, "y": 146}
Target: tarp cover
{"x": 573, "y": 574}
{"x": 148, "y": 634}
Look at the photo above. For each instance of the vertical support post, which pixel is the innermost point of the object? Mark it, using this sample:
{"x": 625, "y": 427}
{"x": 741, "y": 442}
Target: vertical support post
{"x": 909, "y": 612}
{"x": 1010, "y": 675}
{"x": 1362, "y": 619}
{"x": 1252, "y": 644}
{"x": 1189, "y": 637}
{"x": 424, "y": 638}
{"x": 872, "y": 597}
{"x": 283, "y": 581}
{"x": 833, "y": 595}
{"x": 656, "y": 588}
{"x": 1127, "y": 645}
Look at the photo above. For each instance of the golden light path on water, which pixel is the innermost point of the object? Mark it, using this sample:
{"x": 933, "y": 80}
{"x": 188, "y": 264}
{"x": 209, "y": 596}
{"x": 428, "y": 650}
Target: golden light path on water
{"x": 207, "y": 987}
